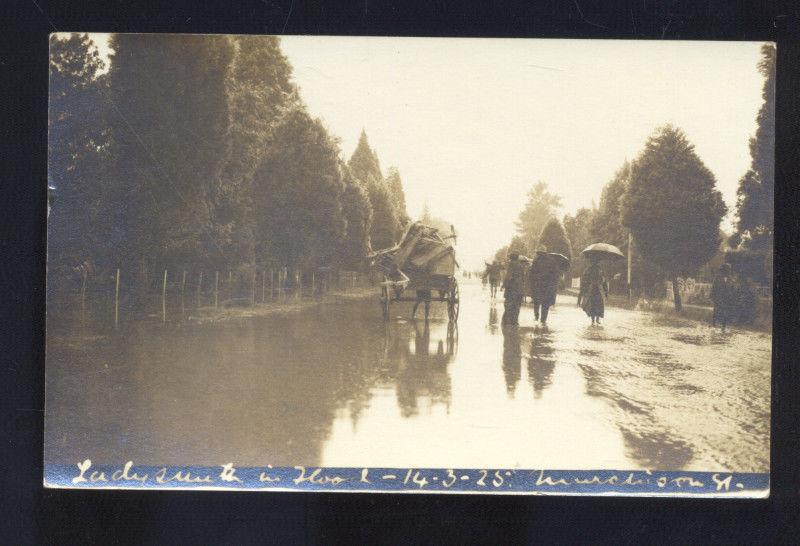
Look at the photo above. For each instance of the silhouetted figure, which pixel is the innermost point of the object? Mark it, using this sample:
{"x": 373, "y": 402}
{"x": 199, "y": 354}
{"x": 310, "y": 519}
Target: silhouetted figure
{"x": 723, "y": 294}
{"x": 513, "y": 285}
{"x": 543, "y": 278}
{"x": 493, "y": 274}
{"x": 512, "y": 357}
{"x": 593, "y": 287}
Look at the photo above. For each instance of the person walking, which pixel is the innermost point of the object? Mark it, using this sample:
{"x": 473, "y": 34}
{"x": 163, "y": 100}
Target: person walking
{"x": 543, "y": 278}
{"x": 723, "y": 294}
{"x": 590, "y": 296}
{"x": 513, "y": 286}
{"x": 493, "y": 274}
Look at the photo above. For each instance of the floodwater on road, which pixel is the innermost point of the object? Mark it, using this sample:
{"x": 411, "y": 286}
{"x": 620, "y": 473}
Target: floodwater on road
{"x": 336, "y": 386}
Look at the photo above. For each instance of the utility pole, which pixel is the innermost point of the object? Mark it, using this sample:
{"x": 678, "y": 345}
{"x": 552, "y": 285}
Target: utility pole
{"x": 630, "y": 262}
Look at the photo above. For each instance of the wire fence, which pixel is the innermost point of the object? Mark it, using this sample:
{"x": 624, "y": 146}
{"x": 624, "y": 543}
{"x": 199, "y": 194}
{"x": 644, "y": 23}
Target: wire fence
{"x": 109, "y": 299}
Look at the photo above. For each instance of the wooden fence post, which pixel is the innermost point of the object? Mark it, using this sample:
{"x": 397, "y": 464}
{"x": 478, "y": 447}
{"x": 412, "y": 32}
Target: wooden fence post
{"x": 271, "y": 284}
{"x": 116, "y": 302}
{"x": 164, "y": 298}
{"x": 216, "y": 289}
{"x": 254, "y": 287}
{"x": 183, "y": 285}
{"x": 83, "y": 297}
{"x": 313, "y": 284}
{"x": 199, "y": 284}
{"x": 263, "y": 285}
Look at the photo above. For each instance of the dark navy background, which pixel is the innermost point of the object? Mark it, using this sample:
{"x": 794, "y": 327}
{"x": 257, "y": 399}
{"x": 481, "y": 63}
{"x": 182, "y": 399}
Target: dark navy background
{"x": 32, "y": 514}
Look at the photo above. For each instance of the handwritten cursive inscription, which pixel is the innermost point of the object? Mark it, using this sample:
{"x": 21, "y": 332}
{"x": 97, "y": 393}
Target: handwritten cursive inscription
{"x": 229, "y": 476}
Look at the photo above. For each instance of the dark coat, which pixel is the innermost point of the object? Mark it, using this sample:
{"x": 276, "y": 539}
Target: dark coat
{"x": 593, "y": 285}
{"x": 543, "y": 279}
{"x": 723, "y": 294}
{"x": 514, "y": 281}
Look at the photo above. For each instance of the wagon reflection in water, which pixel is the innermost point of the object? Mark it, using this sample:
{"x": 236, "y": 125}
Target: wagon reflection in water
{"x": 417, "y": 362}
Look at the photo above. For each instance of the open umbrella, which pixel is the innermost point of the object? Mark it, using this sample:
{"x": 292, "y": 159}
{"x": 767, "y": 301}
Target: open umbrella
{"x": 601, "y": 251}
{"x": 560, "y": 259}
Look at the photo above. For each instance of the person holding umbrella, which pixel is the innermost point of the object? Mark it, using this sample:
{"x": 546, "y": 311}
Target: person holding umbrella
{"x": 593, "y": 282}
{"x": 543, "y": 277}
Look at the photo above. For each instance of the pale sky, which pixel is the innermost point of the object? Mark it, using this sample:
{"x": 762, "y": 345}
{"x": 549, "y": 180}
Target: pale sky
{"x": 472, "y": 124}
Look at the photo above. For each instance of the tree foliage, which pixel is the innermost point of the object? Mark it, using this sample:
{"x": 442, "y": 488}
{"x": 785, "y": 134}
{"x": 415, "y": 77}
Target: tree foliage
{"x": 298, "y": 190}
{"x": 259, "y": 89}
{"x": 519, "y": 246}
{"x": 756, "y": 192}
{"x": 578, "y": 228}
{"x": 554, "y": 238}
{"x": 395, "y": 187}
{"x": 77, "y": 152}
{"x": 429, "y": 219}
{"x": 539, "y": 209}
{"x": 607, "y": 221}
{"x": 170, "y": 127}
{"x": 385, "y": 228}
{"x": 357, "y": 212}
{"x": 672, "y": 206}
{"x": 501, "y": 255}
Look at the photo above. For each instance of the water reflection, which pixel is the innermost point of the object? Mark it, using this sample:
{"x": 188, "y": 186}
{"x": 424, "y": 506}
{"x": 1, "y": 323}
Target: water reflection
{"x": 336, "y": 385}
{"x": 491, "y": 326}
{"x": 420, "y": 371}
{"x": 512, "y": 357}
{"x": 542, "y": 362}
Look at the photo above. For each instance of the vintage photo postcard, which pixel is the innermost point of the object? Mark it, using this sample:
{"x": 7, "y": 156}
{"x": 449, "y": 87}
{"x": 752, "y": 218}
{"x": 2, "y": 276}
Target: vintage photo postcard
{"x": 501, "y": 266}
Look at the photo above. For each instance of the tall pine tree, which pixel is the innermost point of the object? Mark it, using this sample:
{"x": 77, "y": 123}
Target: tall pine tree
{"x": 259, "y": 89}
{"x": 366, "y": 168}
{"x": 756, "y": 193}
{"x": 77, "y": 154}
{"x": 672, "y": 206}
{"x": 357, "y": 212}
{"x": 171, "y": 120}
{"x": 395, "y": 187}
{"x": 298, "y": 190}
{"x": 540, "y": 207}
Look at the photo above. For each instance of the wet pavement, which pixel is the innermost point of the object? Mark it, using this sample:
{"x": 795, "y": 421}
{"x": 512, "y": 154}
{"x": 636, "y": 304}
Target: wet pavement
{"x": 336, "y": 386}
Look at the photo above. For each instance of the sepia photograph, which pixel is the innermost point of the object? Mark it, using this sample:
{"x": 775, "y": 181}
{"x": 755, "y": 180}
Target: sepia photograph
{"x": 396, "y": 264}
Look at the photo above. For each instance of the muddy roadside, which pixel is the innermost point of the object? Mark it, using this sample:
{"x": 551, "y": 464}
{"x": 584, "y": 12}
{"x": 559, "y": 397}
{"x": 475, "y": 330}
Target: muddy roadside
{"x": 238, "y": 309}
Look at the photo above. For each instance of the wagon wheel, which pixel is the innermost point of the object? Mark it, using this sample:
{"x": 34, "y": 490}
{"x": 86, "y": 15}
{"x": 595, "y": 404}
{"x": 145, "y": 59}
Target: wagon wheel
{"x": 452, "y": 301}
{"x": 385, "y": 300}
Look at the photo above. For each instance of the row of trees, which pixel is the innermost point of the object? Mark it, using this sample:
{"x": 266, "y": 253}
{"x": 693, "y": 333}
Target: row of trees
{"x": 197, "y": 151}
{"x": 666, "y": 201}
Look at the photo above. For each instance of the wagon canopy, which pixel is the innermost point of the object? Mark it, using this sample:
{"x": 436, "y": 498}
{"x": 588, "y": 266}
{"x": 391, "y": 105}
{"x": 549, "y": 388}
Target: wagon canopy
{"x": 422, "y": 252}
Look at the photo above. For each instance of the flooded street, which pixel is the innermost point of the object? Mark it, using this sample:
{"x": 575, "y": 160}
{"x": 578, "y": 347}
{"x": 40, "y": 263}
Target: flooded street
{"x": 336, "y": 386}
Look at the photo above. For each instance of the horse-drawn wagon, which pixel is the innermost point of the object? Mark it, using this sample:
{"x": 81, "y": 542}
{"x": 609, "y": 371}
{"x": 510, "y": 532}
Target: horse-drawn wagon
{"x": 423, "y": 261}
